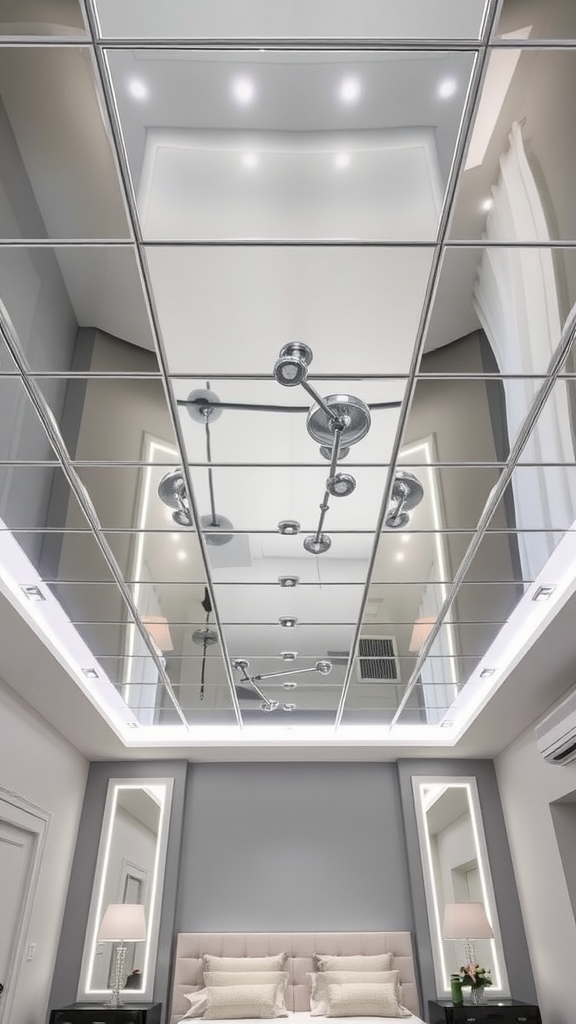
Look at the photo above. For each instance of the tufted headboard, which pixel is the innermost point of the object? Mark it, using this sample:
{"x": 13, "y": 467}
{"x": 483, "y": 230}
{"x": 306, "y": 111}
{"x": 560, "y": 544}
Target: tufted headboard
{"x": 300, "y": 946}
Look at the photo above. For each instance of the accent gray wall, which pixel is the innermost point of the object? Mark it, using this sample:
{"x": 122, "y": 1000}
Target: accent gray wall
{"x": 293, "y": 847}
{"x": 516, "y": 952}
{"x": 69, "y": 957}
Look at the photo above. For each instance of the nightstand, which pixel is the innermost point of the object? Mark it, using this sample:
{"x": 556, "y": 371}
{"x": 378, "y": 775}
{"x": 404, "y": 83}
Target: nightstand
{"x": 95, "y": 1013}
{"x": 498, "y": 1011}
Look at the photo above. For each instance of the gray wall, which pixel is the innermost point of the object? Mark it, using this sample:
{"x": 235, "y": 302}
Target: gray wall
{"x": 69, "y": 957}
{"x": 293, "y": 847}
{"x": 511, "y": 924}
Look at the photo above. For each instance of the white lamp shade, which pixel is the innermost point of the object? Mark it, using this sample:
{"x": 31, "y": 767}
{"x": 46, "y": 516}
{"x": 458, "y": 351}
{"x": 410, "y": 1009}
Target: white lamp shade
{"x": 466, "y": 921}
{"x": 123, "y": 922}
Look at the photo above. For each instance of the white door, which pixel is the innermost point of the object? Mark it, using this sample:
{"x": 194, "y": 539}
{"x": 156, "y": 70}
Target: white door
{"x": 22, "y": 833}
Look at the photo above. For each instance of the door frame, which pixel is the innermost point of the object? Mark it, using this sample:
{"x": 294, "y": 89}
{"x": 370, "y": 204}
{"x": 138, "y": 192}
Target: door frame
{"x": 20, "y": 812}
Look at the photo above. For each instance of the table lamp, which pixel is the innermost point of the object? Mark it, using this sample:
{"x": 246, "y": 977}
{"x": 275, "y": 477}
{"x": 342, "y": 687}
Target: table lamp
{"x": 122, "y": 923}
{"x": 467, "y": 922}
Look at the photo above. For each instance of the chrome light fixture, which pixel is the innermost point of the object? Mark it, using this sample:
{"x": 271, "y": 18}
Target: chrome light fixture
{"x": 407, "y": 493}
{"x": 292, "y": 365}
{"x": 323, "y": 667}
{"x": 172, "y": 491}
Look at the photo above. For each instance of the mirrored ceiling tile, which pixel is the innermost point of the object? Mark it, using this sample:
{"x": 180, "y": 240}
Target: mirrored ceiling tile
{"x": 556, "y": 19}
{"x": 38, "y": 498}
{"x": 472, "y": 639}
{"x": 195, "y": 685}
{"x": 175, "y": 639}
{"x": 519, "y": 158}
{"x": 112, "y": 419}
{"x": 127, "y": 498}
{"x": 437, "y": 498}
{"x": 7, "y": 364}
{"x": 259, "y": 421}
{"x": 484, "y": 602}
{"x": 305, "y": 146}
{"x": 443, "y": 675}
{"x": 58, "y": 173}
{"x": 499, "y": 558}
{"x": 76, "y": 556}
{"x": 253, "y": 19}
{"x": 77, "y": 308}
{"x": 420, "y": 714}
{"x": 109, "y": 639}
{"x": 147, "y": 558}
{"x": 357, "y": 308}
{"x": 22, "y": 436}
{"x": 552, "y": 437}
{"x": 263, "y": 557}
{"x": 379, "y": 642}
{"x": 429, "y": 557}
{"x": 91, "y": 602}
{"x": 308, "y": 641}
{"x": 50, "y": 18}
{"x": 308, "y": 603}
{"x": 258, "y": 498}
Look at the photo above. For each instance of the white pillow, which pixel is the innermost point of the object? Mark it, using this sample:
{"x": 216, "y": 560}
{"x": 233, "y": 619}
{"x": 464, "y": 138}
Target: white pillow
{"x": 219, "y": 979}
{"x": 358, "y": 1000}
{"x": 377, "y": 962}
{"x": 319, "y": 981}
{"x": 244, "y": 963}
{"x": 198, "y": 1003}
{"x": 237, "y": 1002}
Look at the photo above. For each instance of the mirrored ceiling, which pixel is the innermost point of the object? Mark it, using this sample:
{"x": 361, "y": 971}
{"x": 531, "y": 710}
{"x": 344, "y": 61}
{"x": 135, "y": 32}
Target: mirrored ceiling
{"x": 287, "y": 381}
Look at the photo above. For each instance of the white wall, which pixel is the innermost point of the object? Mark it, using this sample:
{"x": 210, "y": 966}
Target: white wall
{"x": 39, "y": 765}
{"x": 527, "y": 786}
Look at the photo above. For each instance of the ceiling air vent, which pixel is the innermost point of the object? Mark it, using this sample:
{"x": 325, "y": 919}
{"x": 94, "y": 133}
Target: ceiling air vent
{"x": 377, "y": 660}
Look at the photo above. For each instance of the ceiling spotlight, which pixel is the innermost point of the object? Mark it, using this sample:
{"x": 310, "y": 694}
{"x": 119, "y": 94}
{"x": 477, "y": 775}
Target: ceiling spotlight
{"x": 326, "y": 452}
{"x": 288, "y": 621}
{"x": 202, "y": 404}
{"x": 487, "y": 672}
{"x": 205, "y": 637}
{"x": 341, "y": 485}
{"x": 288, "y": 527}
{"x": 172, "y": 491}
{"x": 290, "y": 684}
{"x": 243, "y": 90}
{"x": 323, "y": 667}
{"x": 137, "y": 89}
{"x": 288, "y": 707}
{"x": 407, "y": 492}
{"x": 211, "y": 525}
{"x": 288, "y": 581}
{"x": 350, "y": 90}
{"x": 317, "y": 545}
{"x": 90, "y": 673}
{"x": 269, "y": 705}
{"x": 543, "y": 593}
{"x": 351, "y": 415}
{"x": 32, "y": 592}
{"x": 250, "y": 161}
{"x": 291, "y": 368}
{"x": 288, "y": 655}
{"x": 342, "y": 161}
{"x": 240, "y": 663}
{"x": 447, "y": 88}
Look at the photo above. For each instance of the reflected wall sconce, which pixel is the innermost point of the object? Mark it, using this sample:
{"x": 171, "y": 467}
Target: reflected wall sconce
{"x": 122, "y": 923}
{"x": 467, "y": 922}
{"x": 407, "y": 493}
{"x": 322, "y": 667}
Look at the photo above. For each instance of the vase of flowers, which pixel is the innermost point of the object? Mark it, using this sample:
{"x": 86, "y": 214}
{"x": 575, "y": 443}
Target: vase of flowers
{"x": 477, "y": 979}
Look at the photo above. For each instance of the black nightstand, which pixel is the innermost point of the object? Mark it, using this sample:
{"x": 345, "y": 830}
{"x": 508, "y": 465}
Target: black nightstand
{"x": 497, "y": 1011}
{"x": 95, "y": 1013}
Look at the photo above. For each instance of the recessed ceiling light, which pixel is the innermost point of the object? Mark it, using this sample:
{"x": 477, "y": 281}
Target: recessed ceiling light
{"x": 288, "y": 527}
{"x": 90, "y": 673}
{"x": 400, "y": 556}
{"x": 137, "y": 89}
{"x": 290, "y": 684}
{"x": 446, "y": 725}
{"x": 288, "y": 621}
{"x": 243, "y": 90}
{"x": 342, "y": 161}
{"x": 487, "y": 672}
{"x": 249, "y": 161}
{"x": 350, "y": 90}
{"x": 447, "y": 88}
{"x": 181, "y": 555}
{"x": 32, "y": 592}
{"x": 288, "y": 581}
{"x": 543, "y": 593}
{"x": 288, "y": 655}
{"x": 487, "y": 205}
{"x": 288, "y": 707}
{"x": 132, "y": 725}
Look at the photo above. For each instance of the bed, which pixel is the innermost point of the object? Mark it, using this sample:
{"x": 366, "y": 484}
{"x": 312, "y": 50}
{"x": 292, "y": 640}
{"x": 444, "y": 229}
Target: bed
{"x": 300, "y": 947}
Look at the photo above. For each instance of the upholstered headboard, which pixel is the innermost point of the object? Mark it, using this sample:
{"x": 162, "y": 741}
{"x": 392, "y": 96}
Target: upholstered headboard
{"x": 300, "y": 946}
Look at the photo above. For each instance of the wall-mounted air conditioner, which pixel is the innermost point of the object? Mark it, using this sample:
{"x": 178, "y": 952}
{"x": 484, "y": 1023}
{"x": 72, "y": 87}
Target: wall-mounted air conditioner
{"x": 377, "y": 660}
{"x": 556, "y": 733}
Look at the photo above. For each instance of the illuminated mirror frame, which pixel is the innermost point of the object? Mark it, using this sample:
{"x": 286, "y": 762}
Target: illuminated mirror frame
{"x": 163, "y": 787}
{"x": 500, "y": 987}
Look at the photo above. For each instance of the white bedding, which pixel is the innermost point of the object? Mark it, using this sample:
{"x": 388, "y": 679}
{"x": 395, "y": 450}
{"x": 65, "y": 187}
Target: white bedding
{"x": 304, "y": 1017}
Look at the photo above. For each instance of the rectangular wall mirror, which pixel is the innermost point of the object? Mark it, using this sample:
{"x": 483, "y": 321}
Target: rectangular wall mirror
{"x": 129, "y": 869}
{"x": 457, "y": 871}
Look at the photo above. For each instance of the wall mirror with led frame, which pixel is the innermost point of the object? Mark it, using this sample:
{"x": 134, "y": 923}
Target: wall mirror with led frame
{"x": 129, "y": 869}
{"x": 456, "y": 870}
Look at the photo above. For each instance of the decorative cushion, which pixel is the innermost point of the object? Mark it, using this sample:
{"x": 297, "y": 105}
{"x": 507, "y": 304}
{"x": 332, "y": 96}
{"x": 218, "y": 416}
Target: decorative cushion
{"x": 235, "y": 1002}
{"x": 358, "y": 1000}
{"x": 377, "y": 962}
{"x": 319, "y": 981}
{"x": 220, "y": 979}
{"x": 244, "y": 963}
{"x": 198, "y": 1003}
